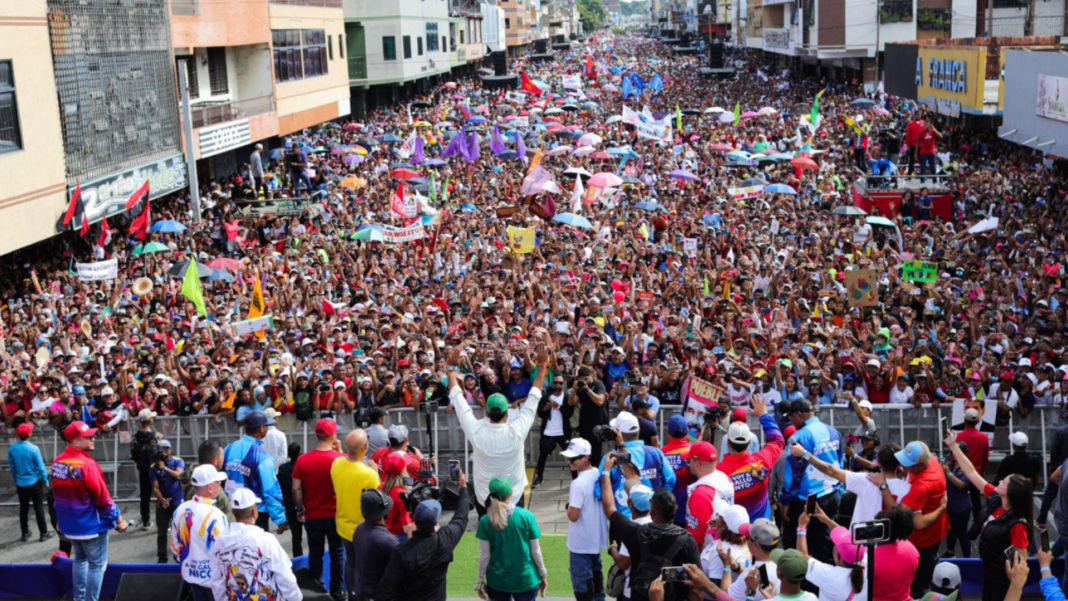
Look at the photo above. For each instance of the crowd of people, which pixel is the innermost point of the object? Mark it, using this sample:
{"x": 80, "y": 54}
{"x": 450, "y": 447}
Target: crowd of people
{"x": 661, "y": 276}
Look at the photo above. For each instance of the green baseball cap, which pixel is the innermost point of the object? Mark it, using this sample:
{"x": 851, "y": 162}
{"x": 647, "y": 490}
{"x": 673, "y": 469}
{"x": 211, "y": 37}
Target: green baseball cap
{"x": 496, "y": 403}
{"x": 792, "y": 564}
{"x": 502, "y": 487}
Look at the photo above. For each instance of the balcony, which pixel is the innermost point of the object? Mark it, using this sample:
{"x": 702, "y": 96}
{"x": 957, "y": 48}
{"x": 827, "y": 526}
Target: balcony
{"x": 320, "y": 3}
{"x": 895, "y": 11}
{"x": 357, "y": 67}
{"x": 231, "y": 111}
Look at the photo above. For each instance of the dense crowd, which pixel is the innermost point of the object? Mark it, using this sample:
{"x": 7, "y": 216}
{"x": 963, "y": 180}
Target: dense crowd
{"x": 643, "y": 284}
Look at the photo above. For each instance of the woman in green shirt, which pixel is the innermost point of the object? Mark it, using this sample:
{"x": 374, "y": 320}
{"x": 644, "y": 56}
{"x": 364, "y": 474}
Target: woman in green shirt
{"x": 510, "y": 565}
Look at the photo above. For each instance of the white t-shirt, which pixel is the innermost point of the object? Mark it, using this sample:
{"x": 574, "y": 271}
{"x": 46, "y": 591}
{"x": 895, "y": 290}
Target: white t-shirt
{"x": 901, "y": 396}
{"x": 555, "y": 427}
{"x": 587, "y": 534}
{"x": 625, "y": 553}
{"x": 739, "y": 395}
{"x": 869, "y": 497}
{"x": 737, "y": 589}
{"x": 833, "y": 581}
{"x": 713, "y": 565}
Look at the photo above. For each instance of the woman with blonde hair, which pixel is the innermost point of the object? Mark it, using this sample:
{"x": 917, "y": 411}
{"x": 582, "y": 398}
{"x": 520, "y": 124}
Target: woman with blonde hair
{"x": 510, "y": 565}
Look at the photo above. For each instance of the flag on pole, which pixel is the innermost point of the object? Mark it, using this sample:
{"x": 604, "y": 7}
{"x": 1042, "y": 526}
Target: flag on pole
{"x": 628, "y": 87}
{"x": 417, "y": 154}
{"x": 140, "y": 225}
{"x": 528, "y": 86}
{"x": 577, "y": 195}
{"x": 591, "y": 72}
{"x": 105, "y": 234}
{"x": 192, "y": 289}
{"x": 678, "y": 119}
{"x": 257, "y": 307}
{"x": 737, "y": 113}
{"x": 520, "y": 146}
{"x": 76, "y": 210}
{"x": 815, "y": 114}
{"x": 534, "y": 162}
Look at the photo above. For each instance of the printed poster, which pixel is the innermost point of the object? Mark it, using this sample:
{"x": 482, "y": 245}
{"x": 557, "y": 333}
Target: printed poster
{"x": 919, "y": 271}
{"x": 521, "y": 239}
{"x": 862, "y": 287}
{"x": 700, "y": 397}
{"x": 396, "y": 235}
{"x": 1052, "y": 97}
{"x": 987, "y": 408}
{"x": 100, "y": 270}
{"x": 251, "y": 326}
{"x": 747, "y": 192}
{"x": 689, "y": 246}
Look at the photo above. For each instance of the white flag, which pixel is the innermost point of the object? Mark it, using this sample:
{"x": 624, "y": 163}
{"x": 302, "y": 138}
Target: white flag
{"x": 577, "y": 195}
{"x": 408, "y": 147}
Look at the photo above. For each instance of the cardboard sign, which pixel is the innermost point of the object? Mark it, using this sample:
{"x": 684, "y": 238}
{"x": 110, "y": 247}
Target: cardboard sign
{"x": 251, "y": 326}
{"x": 98, "y": 271}
{"x": 747, "y": 192}
{"x": 689, "y": 246}
{"x": 919, "y": 271}
{"x": 396, "y": 235}
{"x": 504, "y": 212}
{"x": 862, "y": 287}
{"x": 572, "y": 82}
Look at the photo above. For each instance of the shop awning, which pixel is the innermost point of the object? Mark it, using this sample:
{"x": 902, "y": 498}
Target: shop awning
{"x": 492, "y": 47}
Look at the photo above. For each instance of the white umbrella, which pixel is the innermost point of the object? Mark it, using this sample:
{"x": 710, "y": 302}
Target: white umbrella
{"x": 714, "y": 109}
{"x": 559, "y": 150}
{"x": 578, "y": 171}
{"x": 613, "y": 119}
{"x": 553, "y": 111}
{"x": 585, "y": 151}
{"x": 590, "y": 140}
{"x": 726, "y": 117}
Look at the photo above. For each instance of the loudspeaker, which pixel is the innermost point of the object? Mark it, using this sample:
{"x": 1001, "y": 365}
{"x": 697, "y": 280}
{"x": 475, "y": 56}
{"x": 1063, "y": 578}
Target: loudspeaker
{"x": 715, "y": 55}
{"x": 686, "y": 39}
{"x": 135, "y": 587}
{"x": 559, "y": 39}
{"x": 500, "y": 63}
{"x": 539, "y": 46}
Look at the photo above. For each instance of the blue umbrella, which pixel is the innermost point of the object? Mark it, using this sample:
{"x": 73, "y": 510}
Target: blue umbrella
{"x": 781, "y": 156}
{"x": 415, "y": 181}
{"x": 622, "y": 151}
{"x": 167, "y": 226}
{"x": 573, "y": 220}
{"x": 220, "y": 274}
{"x": 648, "y": 206}
{"x": 402, "y": 165}
{"x": 276, "y": 154}
{"x": 389, "y": 139}
{"x": 863, "y": 103}
{"x": 370, "y": 233}
{"x": 779, "y": 189}
{"x": 507, "y": 155}
{"x": 477, "y": 119}
{"x": 433, "y": 163}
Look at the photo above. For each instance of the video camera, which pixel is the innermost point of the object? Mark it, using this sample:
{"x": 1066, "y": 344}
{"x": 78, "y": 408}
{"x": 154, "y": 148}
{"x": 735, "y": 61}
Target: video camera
{"x": 870, "y": 533}
{"x": 428, "y": 407}
{"x": 713, "y": 413}
{"x": 604, "y": 433}
{"x": 158, "y": 454}
{"x": 422, "y": 491}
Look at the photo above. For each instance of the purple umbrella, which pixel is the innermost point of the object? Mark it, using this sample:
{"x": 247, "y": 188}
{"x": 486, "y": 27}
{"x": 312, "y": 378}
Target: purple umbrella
{"x": 726, "y": 117}
{"x": 683, "y": 175}
{"x": 659, "y": 116}
{"x": 352, "y": 158}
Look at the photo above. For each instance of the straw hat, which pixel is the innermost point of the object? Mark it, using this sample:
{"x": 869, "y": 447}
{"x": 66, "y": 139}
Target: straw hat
{"x": 142, "y": 286}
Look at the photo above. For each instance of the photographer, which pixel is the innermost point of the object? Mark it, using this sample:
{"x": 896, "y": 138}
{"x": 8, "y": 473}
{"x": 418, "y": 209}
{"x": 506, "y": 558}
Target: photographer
{"x": 417, "y": 569}
{"x": 399, "y": 522}
{"x": 555, "y": 417}
{"x": 636, "y": 389}
{"x": 897, "y": 559}
{"x": 650, "y": 463}
{"x": 168, "y": 491}
{"x": 590, "y": 396}
{"x": 144, "y": 441}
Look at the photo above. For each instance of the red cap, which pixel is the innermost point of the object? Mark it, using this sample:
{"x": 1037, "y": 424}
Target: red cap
{"x": 326, "y": 427}
{"x": 24, "y": 429}
{"x": 78, "y": 430}
{"x": 738, "y": 415}
{"x": 402, "y": 363}
{"x": 789, "y": 431}
{"x": 701, "y": 451}
{"x": 394, "y": 464}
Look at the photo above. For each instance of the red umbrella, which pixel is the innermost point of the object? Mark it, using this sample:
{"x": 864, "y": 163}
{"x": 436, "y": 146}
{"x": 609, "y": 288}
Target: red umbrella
{"x": 805, "y": 163}
{"x": 404, "y": 173}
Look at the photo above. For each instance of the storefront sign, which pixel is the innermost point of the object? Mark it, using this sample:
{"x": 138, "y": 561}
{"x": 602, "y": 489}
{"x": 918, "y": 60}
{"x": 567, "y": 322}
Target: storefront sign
{"x": 780, "y": 41}
{"x": 1052, "y": 99}
{"x": 106, "y": 196}
{"x": 949, "y": 108}
{"x": 951, "y": 80}
{"x": 217, "y": 139}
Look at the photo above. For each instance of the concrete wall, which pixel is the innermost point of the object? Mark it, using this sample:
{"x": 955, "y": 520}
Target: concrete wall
{"x": 33, "y": 190}
{"x": 222, "y": 23}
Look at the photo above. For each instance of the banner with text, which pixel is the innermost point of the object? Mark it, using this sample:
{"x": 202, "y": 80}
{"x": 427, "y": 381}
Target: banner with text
{"x": 396, "y": 235}
{"x": 919, "y": 271}
{"x": 747, "y": 192}
{"x": 101, "y": 270}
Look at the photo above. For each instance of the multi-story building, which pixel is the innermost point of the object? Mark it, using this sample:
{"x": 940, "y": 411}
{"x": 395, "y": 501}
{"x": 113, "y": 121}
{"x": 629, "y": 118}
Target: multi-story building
{"x": 397, "y": 49}
{"x": 465, "y": 31}
{"x": 34, "y": 191}
{"x": 517, "y": 24}
{"x": 494, "y": 27}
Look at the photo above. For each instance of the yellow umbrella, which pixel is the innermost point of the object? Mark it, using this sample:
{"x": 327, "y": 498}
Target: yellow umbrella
{"x": 421, "y": 124}
{"x": 361, "y": 150}
{"x": 353, "y": 182}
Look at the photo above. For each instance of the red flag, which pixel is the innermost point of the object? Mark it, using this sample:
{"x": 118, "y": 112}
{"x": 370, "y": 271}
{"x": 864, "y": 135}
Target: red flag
{"x": 328, "y": 307}
{"x": 75, "y": 206}
{"x": 136, "y": 197}
{"x": 528, "y": 86}
{"x": 440, "y": 302}
{"x": 85, "y": 225}
{"x": 590, "y": 71}
{"x": 397, "y": 205}
{"x": 139, "y": 226}
{"x": 105, "y": 234}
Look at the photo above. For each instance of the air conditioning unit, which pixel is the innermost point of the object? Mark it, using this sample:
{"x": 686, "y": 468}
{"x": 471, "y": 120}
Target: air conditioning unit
{"x": 432, "y": 65}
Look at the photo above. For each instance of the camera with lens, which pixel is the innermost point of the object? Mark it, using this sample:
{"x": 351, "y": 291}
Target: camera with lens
{"x": 422, "y": 491}
{"x": 582, "y": 385}
{"x": 630, "y": 378}
{"x": 713, "y": 413}
{"x": 870, "y": 533}
{"x": 604, "y": 433}
{"x": 158, "y": 454}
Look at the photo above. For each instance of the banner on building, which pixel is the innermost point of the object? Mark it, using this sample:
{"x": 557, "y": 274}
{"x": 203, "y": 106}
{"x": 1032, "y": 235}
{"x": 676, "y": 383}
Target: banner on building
{"x": 1052, "y": 102}
{"x": 98, "y": 271}
{"x": 396, "y": 235}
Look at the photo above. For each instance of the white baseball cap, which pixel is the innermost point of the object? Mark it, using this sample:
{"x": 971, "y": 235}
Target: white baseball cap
{"x": 1018, "y": 439}
{"x": 734, "y": 516}
{"x": 625, "y": 422}
{"x": 204, "y": 475}
{"x": 740, "y": 433}
{"x": 146, "y": 414}
{"x": 865, "y": 404}
{"x": 271, "y": 413}
{"x": 244, "y": 498}
{"x": 577, "y": 448}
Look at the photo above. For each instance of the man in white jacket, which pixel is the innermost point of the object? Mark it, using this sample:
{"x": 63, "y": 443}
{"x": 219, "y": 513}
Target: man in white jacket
{"x": 497, "y": 440}
{"x": 247, "y": 561}
{"x": 197, "y": 523}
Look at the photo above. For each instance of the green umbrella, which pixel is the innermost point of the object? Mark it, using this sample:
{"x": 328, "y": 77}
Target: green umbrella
{"x": 370, "y": 233}
{"x": 151, "y": 247}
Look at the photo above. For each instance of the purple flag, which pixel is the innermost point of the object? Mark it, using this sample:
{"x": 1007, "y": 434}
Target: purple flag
{"x": 463, "y": 147}
{"x": 453, "y": 147}
{"x": 496, "y": 143}
{"x": 473, "y": 149}
{"x": 520, "y": 146}
{"x": 417, "y": 154}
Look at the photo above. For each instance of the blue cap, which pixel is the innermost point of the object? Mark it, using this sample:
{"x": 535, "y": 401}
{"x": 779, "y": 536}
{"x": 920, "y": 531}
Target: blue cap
{"x": 258, "y": 419}
{"x": 913, "y": 453}
{"x": 640, "y": 496}
{"x": 79, "y": 389}
{"x": 677, "y": 426}
{"x": 164, "y": 443}
{"x": 426, "y": 514}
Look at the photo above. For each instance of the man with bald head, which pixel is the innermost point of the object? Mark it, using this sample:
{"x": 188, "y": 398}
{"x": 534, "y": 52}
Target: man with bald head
{"x": 352, "y": 476}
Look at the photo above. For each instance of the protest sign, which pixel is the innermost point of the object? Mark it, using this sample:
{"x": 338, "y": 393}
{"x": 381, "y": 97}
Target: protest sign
{"x": 517, "y": 97}
{"x": 689, "y": 246}
{"x": 701, "y": 397}
{"x": 504, "y": 212}
{"x": 522, "y": 122}
{"x": 654, "y": 130}
{"x": 396, "y": 235}
{"x": 101, "y": 270}
{"x": 919, "y": 271}
{"x": 862, "y": 287}
{"x": 521, "y": 239}
{"x": 747, "y": 192}
{"x": 251, "y": 326}
{"x": 572, "y": 82}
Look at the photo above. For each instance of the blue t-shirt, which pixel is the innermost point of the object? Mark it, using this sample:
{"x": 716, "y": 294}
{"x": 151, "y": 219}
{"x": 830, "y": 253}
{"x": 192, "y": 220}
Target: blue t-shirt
{"x": 169, "y": 485}
{"x": 825, "y": 443}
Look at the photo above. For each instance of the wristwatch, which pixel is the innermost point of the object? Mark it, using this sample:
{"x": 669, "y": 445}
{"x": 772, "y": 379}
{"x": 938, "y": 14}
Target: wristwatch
{"x": 883, "y": 486}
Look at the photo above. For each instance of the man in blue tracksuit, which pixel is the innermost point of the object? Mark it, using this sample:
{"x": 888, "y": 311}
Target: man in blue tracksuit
{"x": 650, "y": 462}
{"x": 825, "y": 443}
{"x": 248, "y": 465}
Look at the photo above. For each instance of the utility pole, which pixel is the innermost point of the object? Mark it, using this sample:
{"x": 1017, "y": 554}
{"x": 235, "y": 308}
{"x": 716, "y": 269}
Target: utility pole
{"x": 187, "y": 130}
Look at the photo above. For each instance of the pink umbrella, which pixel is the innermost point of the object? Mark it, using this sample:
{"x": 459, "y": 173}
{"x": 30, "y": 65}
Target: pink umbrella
{"x": 458, "y": 96}
{"x": 585, "y": 151}
{"x": 508, "y": 118}
{"x": 767, "y": 111}
{"x": 721, "y": 147}
{"x": 554, "y": 127}
{"x": 601, "y": 156}
{"x": 451, "y": 84}
{"x": 337, "y": 150}
{"x": 226, "y": 264}
{"x": 750, "y": 114}
{"x": 610, "y": 88}
{"x": 573, "y": 127}
{"x": 353, "y": 126}
{"x": 552, "y": 119}
{"x": 880, "y": 111}
{"x": 561, "y": 150}
{"x": 606, "y": 180}
{"x": 590, "y": 140}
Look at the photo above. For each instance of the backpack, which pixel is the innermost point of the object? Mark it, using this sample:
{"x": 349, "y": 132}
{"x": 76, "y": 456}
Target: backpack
{"x": 302, "y": 406}
{"x": 650, "y": 566}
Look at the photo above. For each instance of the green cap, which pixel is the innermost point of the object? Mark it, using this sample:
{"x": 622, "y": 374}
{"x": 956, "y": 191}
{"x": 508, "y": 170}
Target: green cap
{"x": 502, "y": 487}
{"x": 496, "y": 403}
{"x": 884, "y": 332}
{"x": 792, "y": 564}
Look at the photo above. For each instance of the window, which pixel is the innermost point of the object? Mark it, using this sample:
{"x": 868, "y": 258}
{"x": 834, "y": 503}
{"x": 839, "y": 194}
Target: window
{"x": 217, "y": 76}
{"x": 419, "y": 45}
{"x": 445, "y": 44}
{"x": 507, "y": 23}
{"x": 389, "y": 48}
{"x": 407, "y": 46}
{"x": 191, "y": 74}
{"x": 299, "y": 53}
{"x": 10, "y": 138}
{"x": 341, "y": 45}
{"x": 431, "y": 37}
{"x": 462, "y": 36}
{"x": 330, "y": 45}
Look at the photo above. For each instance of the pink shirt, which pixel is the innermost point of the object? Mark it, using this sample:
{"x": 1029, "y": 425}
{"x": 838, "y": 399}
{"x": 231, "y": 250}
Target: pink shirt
{"x": 896, "y": 565}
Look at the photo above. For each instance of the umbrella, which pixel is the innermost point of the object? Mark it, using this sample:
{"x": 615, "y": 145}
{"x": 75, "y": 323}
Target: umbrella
{"x": 804, "y": 163}
{"x": 606, "y": 180}
{"x": 601, "y": 156}
{"x": 589, "y": 104}
{"x": 781, "y": 156}
{"x": 421, "y": 104}
{"x": 221, "y": 275}
{"x": 849, "y": 211}
{"x": 553, "y": 111}
{"x": 610, "y": 88}
{"x": 150, "y": 247}
{"x": 613, "y": 119}
{"x": 389, "y": 139}
{"x": 573, "y": 220}
{"x": 779, "y": 189}
{"x": 352, "y": 159}
{"x": 883, "y": 221}
{"x": 561, "y": 150}
{"x": 370, "y": 233}
{"x": 585, "y": 151}
{"x": 331, "y": 125}
{"x": 507, "y": 155}
{"x": 178, "y": 270}
{"x": 683, "y": 174}
{"x": 691, "y": 111}
{"x": 353, "y": 126}
{"x": 276, "y": 154}
{"x": 590, "y": 140}
{"x": 433, "y": 163}
{"x": 402, "y": 165}
{"x": 767, "y": 111}
{"x": 714, "y": 110}
{"x": 752, "y": 181}
{"x": 416, "y": 181}
{"x": 721, "y": 147}
{"x": 648, "y": 206}
{"x": 736, "y": 164}
{"x": 726, "y": 117}
{"x": 749, "y": 114}
{"x": 630, "y": 179}
{"x": 450, "y": 84}
{"x": 569, "y": 107}
{"x": 443, "y": 125}
{"x": 368, "y": 142}
{"x": 421, "y": 124}
{"x": 621, "y": 151}
{"x": 880, "y": 111}
{"x": 403, "y": 173}
{"x": 739, "y": 154}
{"x": 863, "y": 103}
{"x": 353, "y": 182}
{"x": 457, "y": 96}
{"x": 167, "y": 226}
{"x": 578, "y": 171}
{"x": 477, "y": 119}
{"x": 227, "y": 264}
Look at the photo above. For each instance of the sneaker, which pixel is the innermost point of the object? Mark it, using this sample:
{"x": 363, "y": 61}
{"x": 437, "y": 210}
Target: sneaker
{"x": 46, "y": 536}
{"x": 537, "y": 482}
{"x": 146, "y": 525}
{"x": 25, "y": 537}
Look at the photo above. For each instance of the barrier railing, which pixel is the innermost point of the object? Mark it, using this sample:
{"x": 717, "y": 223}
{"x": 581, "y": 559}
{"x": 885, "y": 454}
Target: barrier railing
{"x": 440, "y": 434}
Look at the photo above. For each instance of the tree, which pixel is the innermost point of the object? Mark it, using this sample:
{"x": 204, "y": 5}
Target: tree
{"x": 592, "y": 14}
{"x": 638, "y": 7}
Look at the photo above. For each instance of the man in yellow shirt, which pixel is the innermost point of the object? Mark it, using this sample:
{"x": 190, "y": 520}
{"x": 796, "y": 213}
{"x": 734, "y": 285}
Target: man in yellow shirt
{"x": 352, "y": 477}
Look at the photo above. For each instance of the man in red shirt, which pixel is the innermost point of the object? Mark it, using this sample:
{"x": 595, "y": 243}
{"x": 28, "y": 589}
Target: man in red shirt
{"x": 316, "y": 504}
{"x": 926, "y": 497}
{"x": 978, "y": 453}
{"x": 912, "y": 138}
{"x": 927, "y": 141}
{"x": 398, "y": 443}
